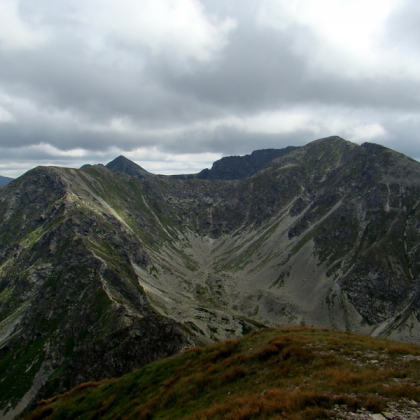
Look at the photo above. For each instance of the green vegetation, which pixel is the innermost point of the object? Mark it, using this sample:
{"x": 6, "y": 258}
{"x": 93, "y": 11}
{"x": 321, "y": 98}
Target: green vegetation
{"x": 5, "y": 293}
{"x": 18, "y": 368}
{"x": 294, "y": 373}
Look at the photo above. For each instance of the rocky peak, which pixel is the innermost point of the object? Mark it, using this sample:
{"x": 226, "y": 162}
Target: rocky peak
{"x": 240, "y": 167}
{"x": 127, "y": 166}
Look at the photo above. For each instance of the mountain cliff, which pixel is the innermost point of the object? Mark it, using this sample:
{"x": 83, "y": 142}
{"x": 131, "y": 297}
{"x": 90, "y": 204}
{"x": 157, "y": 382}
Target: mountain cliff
{"x": 71, "y": 307}
{"x": 103, "y": 270}
{"x": 239, "y": 167}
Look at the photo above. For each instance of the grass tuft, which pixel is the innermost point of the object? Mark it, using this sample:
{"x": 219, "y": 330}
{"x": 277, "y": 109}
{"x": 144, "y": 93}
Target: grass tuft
{"x": 233, "y": 374}
{"x": 42, "y": 414}
{"x": 267, "y": 352}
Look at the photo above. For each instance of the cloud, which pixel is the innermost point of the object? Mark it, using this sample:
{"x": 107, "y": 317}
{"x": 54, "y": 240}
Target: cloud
{"x": 16, "y": 31}
{"x": 177, "y": 28}
{"x": 5, "y": 116}
{"x": 402, "y": 29}
{"x": 173, "y": 82}
{"x": 338, "y": 37}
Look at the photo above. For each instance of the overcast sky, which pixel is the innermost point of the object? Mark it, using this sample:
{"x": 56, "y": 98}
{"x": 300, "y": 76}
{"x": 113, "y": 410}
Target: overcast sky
{"x": 177, "y": 84}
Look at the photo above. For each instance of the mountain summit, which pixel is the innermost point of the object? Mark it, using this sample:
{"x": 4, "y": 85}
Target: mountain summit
{"x": 102, "y": 271}
{"x": 126, "y": 166}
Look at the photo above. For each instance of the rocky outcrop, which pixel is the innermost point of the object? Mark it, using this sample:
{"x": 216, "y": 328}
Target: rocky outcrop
{"x": 142, "y": 341}
{"x": 240, "y": 167}
{"x": 126, "y": 166}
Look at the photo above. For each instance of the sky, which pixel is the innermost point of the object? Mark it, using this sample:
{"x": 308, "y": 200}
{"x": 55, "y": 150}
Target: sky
{"x": 176, "y": 84}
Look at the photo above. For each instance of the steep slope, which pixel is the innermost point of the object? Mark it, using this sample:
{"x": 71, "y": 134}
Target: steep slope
{"x": 126, "y": 166}
{"x": 71, "y": 308}
{"x": 325, "y": 235}
{"x": 295, "y": 374}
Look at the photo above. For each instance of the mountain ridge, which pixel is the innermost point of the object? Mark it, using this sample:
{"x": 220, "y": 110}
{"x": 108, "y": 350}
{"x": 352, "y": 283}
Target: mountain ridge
{"x": 239, "y": 167}
{"x": 227, "y": 168}
{"x": 324, "y": 235}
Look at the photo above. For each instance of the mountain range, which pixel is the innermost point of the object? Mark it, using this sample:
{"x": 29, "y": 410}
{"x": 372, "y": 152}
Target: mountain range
{"x": 106, "y": 268}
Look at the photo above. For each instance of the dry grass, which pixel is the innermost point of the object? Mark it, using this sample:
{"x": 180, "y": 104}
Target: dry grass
{"x": 74, "y": 390}
{"x": 294, "y": 374}
{"x": 275, "y": 402}
{"x": 396, "y": 390}
{"x": 42, "y": 414}
{"x": 237, "y": 372}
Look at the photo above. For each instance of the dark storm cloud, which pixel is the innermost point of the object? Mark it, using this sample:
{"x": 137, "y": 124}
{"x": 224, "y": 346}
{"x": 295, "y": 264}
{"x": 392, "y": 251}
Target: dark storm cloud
{"x": 256, "y": 70}
{"x": 259, "y": 70}
{"x": 53, "y": 79}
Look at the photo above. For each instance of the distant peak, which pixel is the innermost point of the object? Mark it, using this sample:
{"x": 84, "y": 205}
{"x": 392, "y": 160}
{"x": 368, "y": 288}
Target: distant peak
{"x": 127, "y": 166}
{"x": 122, "y": 158}
{"x": 239, "y": 167}
{"x": 330, "y": 139}
{"x": 4, "y": 180}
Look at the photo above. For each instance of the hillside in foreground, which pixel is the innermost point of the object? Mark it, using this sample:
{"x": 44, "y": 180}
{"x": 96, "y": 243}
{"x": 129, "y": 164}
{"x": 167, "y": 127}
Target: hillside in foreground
{"x": 294, "y": 373}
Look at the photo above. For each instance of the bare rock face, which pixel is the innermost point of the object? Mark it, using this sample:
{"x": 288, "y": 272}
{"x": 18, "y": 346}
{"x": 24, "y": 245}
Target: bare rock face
{"x": 239, "y": 167}
{"x": 125, "y": 165}
{"x": 69, "y": 292}
{"x": 105, "y": 269}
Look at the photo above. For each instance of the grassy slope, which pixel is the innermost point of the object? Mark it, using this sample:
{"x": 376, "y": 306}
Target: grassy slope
{"x": 295, "y": 373}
